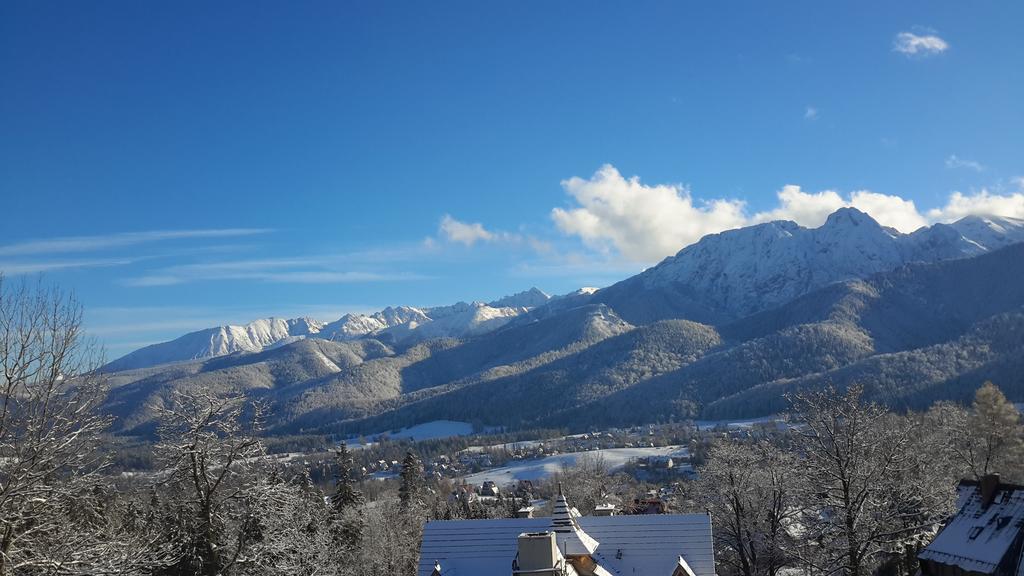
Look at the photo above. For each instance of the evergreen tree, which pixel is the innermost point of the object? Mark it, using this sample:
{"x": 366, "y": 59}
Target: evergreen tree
{"x": 348, "y": 523}
{"x": 345, "y": 497}
{"x": 410, "y": 492}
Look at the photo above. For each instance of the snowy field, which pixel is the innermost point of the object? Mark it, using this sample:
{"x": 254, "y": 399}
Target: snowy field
{"x": 509, "y": 446}
{"x": 712, "y": 424}
{"x": 614, "y": 458}
{"x": 427, "y": 431}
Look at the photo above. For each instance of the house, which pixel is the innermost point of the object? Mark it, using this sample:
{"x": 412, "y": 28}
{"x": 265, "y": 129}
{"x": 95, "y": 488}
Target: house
{"x": 489, "y": 488}
{"x": 569, "y": 544}
{"x": 984, "y": 537}
{"x": 651, "y": 505}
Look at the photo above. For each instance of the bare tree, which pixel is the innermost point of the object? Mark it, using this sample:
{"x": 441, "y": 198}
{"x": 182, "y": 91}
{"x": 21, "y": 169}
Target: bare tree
{"x": 585, "y": 482}
{"x": 49, "y": 432}
{"x": 208, "y": 456}
{"x": 229, "y": 509}
{"x": 863, "y": 483}
{"x": 290, "y": 523}
{"x": 987, "y": 438}
{"x": 750, "y": 491}
{"x": 391, "y": 539}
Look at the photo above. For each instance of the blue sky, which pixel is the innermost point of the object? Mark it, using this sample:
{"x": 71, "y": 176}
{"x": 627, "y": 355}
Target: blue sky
{"x": 188, "y": 164}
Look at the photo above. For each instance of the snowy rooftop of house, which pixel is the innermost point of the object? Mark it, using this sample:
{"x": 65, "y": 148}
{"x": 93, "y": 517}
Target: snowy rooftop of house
{"x": 978, "y": 538}
{"x": 644, "y": 545}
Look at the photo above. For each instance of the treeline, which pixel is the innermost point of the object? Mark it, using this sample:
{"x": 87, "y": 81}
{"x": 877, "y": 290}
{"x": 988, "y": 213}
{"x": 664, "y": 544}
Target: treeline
{"x": 853, "y": 489}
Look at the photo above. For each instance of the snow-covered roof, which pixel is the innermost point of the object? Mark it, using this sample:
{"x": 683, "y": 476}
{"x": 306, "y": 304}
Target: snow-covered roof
{"x": 572, "y": 540}
{"x": 644, "y": 545}
{"x": 978, "y": 538}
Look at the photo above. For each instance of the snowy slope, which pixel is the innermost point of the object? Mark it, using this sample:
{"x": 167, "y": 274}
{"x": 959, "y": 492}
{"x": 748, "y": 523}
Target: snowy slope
{"x": 219, "y": 341}
{"x": 538, "y": 469}
{"x": 721, "y": 278}
{"x": 352, "y": 326}
{"x": 458, "y": 321}
{"x": 739, "y": 272}
{"x": 527, "y": 299}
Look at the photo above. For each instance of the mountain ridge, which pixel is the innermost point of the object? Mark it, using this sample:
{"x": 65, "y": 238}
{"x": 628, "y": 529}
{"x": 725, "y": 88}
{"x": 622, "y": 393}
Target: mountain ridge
{"x": 576, "y": 357}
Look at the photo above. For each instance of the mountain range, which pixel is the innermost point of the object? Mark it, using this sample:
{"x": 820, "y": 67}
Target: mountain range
{"x": 722, "y": 329}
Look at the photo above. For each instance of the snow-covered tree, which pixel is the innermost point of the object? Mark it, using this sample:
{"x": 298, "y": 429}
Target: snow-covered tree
{"x": 55, "y": 516}
{"x": 867, "y": 490}
{"x": 585, "y": 482}
{"x": 346, "y": 496}
{"x": 750, "y": 491}
{"x": 410, "y": 492}
{"x": 229, "y": 509}
{"x": 208, "y": 455}
{"x": 347, "y": 522}
{"x": 987, "y": 438}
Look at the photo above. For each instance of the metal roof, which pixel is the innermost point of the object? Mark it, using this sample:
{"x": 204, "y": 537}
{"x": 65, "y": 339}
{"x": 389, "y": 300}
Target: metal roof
{"x": 641, "y": 545}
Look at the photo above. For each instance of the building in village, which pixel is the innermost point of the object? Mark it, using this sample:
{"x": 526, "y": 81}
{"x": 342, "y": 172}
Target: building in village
{"x": 567, "y": 544}
{"x": 984, "y": 537}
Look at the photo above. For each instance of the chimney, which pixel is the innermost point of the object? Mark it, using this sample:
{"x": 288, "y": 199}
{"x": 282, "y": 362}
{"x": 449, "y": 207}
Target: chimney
{"x": 525, "y": 512}
{"x": 538, "y": 554}
{"x": 989, "y": 488}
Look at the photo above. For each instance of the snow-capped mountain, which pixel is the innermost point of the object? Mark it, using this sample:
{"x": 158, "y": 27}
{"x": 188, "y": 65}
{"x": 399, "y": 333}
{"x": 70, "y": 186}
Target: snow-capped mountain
{"x": 721, "y": 329}
{"x": 526, "y": 299}
{"x": 396, "y": 325}
{"x": 736, "y": 273}
{"x": 352, "y": 326}
{"x": 220, "y": 341}
{"x": 458, "y": 321}
{"x": 721, "y": 278}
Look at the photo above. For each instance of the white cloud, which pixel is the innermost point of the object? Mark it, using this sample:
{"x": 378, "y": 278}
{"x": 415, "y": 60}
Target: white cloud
{"x": 811, "y": 113}
{"x": 925, "y": 44}
{"x": 18, "y": 268}
{"x": 643, "y": 223}
{"x": 812, "y": 209}
{"x": 982, "y": 203}
{"x": 953, "y": 161}
{"x": 95, "y": 243}
{"x": 889, "y": 210}
{"x": 806, "y": 208}
{"x": 463, "y": 232}
{"x": 300, "y": 270}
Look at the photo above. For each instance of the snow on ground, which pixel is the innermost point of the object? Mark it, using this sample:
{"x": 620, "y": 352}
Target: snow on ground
{"x": 435, "y": 429}
{"x": 712, "y": 424}
{"x": 427, "y": 431}
{"x": 510, "y": 446}
{"x": 537, "y": 469}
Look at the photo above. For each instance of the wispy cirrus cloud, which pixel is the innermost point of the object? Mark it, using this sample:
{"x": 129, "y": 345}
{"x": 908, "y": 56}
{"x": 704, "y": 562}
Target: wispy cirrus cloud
{"x": 953, "y": 161}
{"x": 297, "y": 270}
{"x": 70, "y": 244}
{"x": 20, "y": 268}
{"x": 456, "y": 231}
{"x": 927, "y": 43}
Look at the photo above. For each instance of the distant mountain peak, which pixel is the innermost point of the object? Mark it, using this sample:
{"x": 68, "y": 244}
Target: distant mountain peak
{"x": 526, "y": 299}
{"x": 732, "y": 274}
{"x": 850, "y": 216}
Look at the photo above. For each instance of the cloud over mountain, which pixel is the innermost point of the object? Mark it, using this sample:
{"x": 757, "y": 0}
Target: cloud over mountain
{"x": 645, "y": 223}
{"x": 642, "y": 222}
